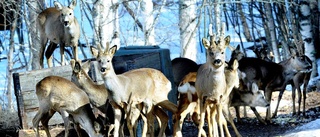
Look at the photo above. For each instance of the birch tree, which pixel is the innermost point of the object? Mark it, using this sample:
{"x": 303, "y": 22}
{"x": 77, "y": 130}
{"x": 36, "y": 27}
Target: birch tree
{"x": 271, "y": 27}
{"x": 187, "y": 26}
{"x": 106, "y": 23}
{"x": 33, "y": 8}
{"x": 245, "y": 27}
{"x": 10, "y": 15}
{"x": 306, "y": 29}
{"x": 148, "y": 20}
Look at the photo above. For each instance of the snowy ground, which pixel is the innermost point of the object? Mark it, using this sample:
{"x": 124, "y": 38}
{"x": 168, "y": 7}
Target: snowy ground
{"x": 312, "y": 129}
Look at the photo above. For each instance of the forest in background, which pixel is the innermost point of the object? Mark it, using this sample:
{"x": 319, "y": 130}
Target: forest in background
{"x": 176, "y": 24}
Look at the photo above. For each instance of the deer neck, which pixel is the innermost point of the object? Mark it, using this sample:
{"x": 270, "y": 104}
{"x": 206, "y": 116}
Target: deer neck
{"x": 94, "y": 91}
{"x": 115, "y": 85}
{"x": 289, "y": 69}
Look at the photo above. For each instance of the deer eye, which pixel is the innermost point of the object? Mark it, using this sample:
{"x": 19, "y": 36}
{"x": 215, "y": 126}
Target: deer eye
{"x": 70, "y": 13}
{"x": 222, "y": 52}
{"x": 211, "y": 53}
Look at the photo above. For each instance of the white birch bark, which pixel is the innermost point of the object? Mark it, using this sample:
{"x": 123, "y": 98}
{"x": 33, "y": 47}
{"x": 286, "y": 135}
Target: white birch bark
{"x": 10, "y": 61}
{"x": 306, "y": 32}
{"x": 271, "y": 27}
{"x": 148, "y": 20}
{"x": 34, "y": 41}
{"x": 106, "y": 23}
{"x": 217, "y": 17}
{"x": 187, "y": 26}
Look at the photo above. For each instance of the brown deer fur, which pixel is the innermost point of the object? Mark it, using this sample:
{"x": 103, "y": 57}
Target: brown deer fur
{"x": 59, "y": 25}
{"x": 140, "y": 85}
{"x": 211, "y": 85}
{"x": 188, "y": 98}
{"x": 98, "y": 96}
{"x": 57, "y": 94}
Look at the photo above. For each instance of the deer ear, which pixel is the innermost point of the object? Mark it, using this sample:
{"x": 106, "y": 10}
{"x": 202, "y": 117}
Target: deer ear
{"x": 77, "y": 67}
{"x": 254, "y": 87}
{"x": 206, "y": 43}
{"x": 72, "y": 62}
{"x": 227, "y": 40}
{"x": 94, "y": 51}
{"x": 73, "y": 4}
{"x": 235, "y": 64}
{"x": 58, "y": 5}
{"x": 238, "y": 47}
{"x": 113, "y": 49}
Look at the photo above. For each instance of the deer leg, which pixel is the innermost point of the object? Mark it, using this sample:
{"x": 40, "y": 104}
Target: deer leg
{"x": 41, "y": 114}
{"x": 229, "y": 118}
{"x": 117, "y": 119}
{"x": 183, "y": 110}
{"x": 220, "y": 120}
{"x": 65, "y": 117}
{"x": 258, "y": 115}
{"x": 278, "y": 103}
{"x": 245, "y": 111}
{"x": 43, "y": 43}
{"x": 75, "y": 125}
{"x": 294, "y": 99}
{"x": 45, "y": 121}
{"x": 52, "y": 46}
{"x": 305, "y": 85}
{"x": 145, "y": 125}
{"x": 163, "y": 120}
{"x": 150, "y": 122}
{"x": 268, "y": 94}
{"x": 62, "y": 45}
{"x": 203, "y": 106}
{"x": 299, "y": 99}
{"x": 210, "y": 119}
{"x": 75, "y": 50}
{"x": 237, "y": 108}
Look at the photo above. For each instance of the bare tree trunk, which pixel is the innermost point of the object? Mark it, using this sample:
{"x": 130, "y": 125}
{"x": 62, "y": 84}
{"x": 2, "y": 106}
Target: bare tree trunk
{"x": 272, "y": 30}
{"x": 245, "y": 27}
{"x": 34, "y": 41}
{"x": 148, "y": 20}
{"x": 187, "y": 26}
{"x": 10, "y": 58}
{"x": 284, "y": 32}
{"x": 105, "y": 25}
{"x": 306, "y": 32}
{"x": 217, "y": 15}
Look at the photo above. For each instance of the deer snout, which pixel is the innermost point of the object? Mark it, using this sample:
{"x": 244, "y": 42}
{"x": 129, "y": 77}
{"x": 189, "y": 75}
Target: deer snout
{"x": 66, "y": 23}
{"x": 268, "y": 105}
{"x": 217, "y": 61}
{"x": 103, "y": 69}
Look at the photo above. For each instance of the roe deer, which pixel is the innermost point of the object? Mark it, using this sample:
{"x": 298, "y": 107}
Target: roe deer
{"x": 188, "y": 99}
{"x": 211, "y": 85}
{"x": 272, "y": 76}
{"x": 301, "y": 78}
{"x": 59, "y": 25}
{"x": 138, "y": 84}
{"x": 57, "y": 94}
{"x": 98, "y": 94}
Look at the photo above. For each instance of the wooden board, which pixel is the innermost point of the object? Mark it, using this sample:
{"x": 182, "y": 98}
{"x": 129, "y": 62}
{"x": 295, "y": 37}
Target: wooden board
{"x": 24, "y": 86}
{"x": 125, "y": 59}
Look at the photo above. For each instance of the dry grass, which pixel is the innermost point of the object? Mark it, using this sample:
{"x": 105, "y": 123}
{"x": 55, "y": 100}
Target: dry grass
{"x": 9, "y": 120}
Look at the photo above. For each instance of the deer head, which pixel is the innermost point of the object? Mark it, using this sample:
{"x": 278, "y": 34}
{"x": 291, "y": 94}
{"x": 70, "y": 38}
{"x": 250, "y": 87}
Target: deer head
{"x": 104, "y": 57}
{"x": 215, "y": 50}
{"x": 66, "y": 16}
